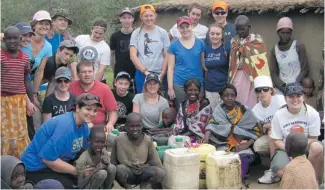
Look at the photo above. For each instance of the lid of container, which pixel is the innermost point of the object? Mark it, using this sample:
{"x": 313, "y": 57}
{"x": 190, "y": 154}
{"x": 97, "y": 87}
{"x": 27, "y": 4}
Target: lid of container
{"x": 115, "y": 131}
{"x": 179, "y": 139}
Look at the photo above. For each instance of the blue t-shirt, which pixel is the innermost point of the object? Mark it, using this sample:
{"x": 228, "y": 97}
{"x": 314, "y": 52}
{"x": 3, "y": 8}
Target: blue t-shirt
{"x": 55, "y": 41}
{"x": 46, "y": 51}
{"x": 217, "y": 63}
{"x": 58, "y": 137}
{"x": 230, "y": 32}
{"x": 187, "y": 61}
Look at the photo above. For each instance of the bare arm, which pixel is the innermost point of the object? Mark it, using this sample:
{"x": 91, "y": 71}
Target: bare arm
{"x": 165, "y": 65}
{"x": 136, "y": 61}
{"x": 136, "y": 108}
{"x": 112, "y": 118}
{"x": 50, "y": 87}
{"x": 274, "y": 69}
{"x": 46, "y": 116}
{"x": 60, "y": 166}
{"x": 101, "y": 72}
{"x": 303, "y": 62}
{"x": 278, "y": 143}
{"x": 39, "y": 74}
{"x": 112, "y": 59}
{"x": 73, "y": 68}
{"x": 170, "y": 75}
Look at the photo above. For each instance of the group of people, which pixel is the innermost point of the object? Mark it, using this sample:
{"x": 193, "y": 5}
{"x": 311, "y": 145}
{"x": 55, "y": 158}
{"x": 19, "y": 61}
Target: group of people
{"x": 214, "y": 84}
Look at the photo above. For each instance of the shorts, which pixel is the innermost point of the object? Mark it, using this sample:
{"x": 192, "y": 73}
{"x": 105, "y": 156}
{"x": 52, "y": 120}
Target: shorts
{"x": 262, "y": 144}
{"x": 280, "y": 158}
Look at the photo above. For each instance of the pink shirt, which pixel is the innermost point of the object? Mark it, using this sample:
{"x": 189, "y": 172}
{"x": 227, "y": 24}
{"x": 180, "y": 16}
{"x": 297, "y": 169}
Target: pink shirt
{"x": 105, "y": 95}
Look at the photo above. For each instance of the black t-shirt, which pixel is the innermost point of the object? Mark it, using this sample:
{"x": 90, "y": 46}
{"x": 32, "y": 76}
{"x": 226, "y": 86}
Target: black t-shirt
{"x": 57, "y": 107}
{"x": 120, "y": 43}
{"x": 50, "y": 68}
{"x": 125, "y": 106}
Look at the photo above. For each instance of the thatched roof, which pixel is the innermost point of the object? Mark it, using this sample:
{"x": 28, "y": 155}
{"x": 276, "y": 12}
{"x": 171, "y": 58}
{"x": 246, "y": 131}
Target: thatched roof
{"x": 244, "y": 6}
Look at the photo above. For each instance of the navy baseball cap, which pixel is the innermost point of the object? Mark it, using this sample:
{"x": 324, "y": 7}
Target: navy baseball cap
{"x": 152, "y": 76}
{"x": 293, "y": 88}
{"x": 24, "y": 28}
{"x": 126, "y": 10}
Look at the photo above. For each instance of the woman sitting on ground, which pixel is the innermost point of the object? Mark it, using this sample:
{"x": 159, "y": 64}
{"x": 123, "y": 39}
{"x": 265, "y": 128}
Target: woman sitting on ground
{"x": 194, "y": 113}
{"x": 233, "y": 128}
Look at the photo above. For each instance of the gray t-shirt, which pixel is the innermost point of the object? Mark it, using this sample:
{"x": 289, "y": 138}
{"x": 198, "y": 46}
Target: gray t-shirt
{"x": 151, "y": 47}
{"x": 150, "y": 112}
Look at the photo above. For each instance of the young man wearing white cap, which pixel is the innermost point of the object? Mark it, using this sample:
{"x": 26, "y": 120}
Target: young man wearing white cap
{"x": 264, "y": 110}
{"x": 61, "y": 100}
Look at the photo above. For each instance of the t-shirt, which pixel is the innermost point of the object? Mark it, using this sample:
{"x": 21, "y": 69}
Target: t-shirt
{"x": 105, "y": 95}
{"x": 46, "y": 51}
{"x": 98, "y": 52}
{"x": 136, "y": 157}
{"x": 58, "y": 137}
{"x": 200, "y": 31}
{"x": 217, "y": 63}
{"x": 187, "y": 61}
{"x": 13, "y": 71}
{"x": 124, "y": 104}
{"x": 230, "y": 32}
{"x": 51, "y": 67}
{"x": 120, "y": 43}
{"x": 266, "y": 114}
{"x": 55, "y": 41}
{"x": 151, "y": 47}
{"x": 57, "y": 107}
{"x": 150, "y": 112}
{"x": 307, "y": 119}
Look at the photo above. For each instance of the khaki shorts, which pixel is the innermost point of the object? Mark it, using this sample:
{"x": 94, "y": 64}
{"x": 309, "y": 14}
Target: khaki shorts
{"x": 280, "y": 158}
{"x": 262, "y": 144}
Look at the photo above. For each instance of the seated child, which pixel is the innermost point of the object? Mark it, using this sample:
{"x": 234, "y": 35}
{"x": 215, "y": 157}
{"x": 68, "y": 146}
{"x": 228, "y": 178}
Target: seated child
{"x": 298, "y": 173}
{"x": 13, "y": 173}
{"x": 309, "y": 86}
{"x": 168, "y": 118}
{"x": 93, "y": 166}
{"x": 135, "y": 157}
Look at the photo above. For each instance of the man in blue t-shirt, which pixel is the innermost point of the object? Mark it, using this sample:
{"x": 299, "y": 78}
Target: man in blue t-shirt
{"x": 58, "y": 143}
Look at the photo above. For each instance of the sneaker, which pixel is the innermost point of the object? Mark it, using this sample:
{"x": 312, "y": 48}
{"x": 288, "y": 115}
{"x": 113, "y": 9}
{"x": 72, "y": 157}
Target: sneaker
{"x": 268, "y": 178}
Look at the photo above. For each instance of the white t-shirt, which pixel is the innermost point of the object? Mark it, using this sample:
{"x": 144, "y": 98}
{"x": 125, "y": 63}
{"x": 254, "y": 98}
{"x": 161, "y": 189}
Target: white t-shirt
{"x": 98, "y": 52}
{"x": 200, "y": 31}
{"x": 283, "y": 121}
{"x": 266, "y": 114}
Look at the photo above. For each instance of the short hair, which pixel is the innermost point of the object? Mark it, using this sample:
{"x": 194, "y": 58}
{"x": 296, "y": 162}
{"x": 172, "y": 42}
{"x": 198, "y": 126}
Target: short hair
{"x": 241, "y": 18}
{"x": 101, "y": 23}
{"x": 34, "y": 22}
{"x": 85, "y": 63}
{"x": 99, "y": 128}
{"x": 195, "y": 6}
{"x": 296, "y": 144}
{"x": 228, "y": 86}
{"x": 191, "y": 81}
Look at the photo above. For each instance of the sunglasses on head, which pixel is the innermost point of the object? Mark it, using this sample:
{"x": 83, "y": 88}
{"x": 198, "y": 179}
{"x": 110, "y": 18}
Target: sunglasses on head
{"x": 66, "y": 81}
{"x": 219, "y": 12}
{"x": 91, "y": 97}
{"x": 264, "y": 89}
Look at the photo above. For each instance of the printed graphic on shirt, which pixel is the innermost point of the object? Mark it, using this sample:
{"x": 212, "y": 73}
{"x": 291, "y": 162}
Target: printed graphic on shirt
{"x": 213, "y": 57}
{"x": 268, "y": 119}
{"x": 147, "y": 41}
{"x": 295, "y": 126}
{"x": 77, "y": 144}
{"x": 60, "y": 109}
{"x": 89, "y": 53}
{"x": 124, "y": 45}
{"x": 122, "y": 110}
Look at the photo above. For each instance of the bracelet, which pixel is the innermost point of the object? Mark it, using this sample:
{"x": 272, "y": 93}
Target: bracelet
{"x": 35, "y": 93}
{"x": 144, "y": 70}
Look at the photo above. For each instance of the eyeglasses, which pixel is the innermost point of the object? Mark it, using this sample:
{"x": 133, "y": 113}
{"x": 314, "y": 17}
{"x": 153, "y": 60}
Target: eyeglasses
{"x": 63, "y": 80}
{"x": 219, "y": 12}
{"x": 259, "y": 90}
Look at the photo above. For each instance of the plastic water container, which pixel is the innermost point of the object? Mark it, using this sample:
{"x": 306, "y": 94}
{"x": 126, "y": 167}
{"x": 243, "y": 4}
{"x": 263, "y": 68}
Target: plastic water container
{"x": 42, "y": 91}
{"x": 182, "y": 169}
{"x": 179, "y": 142}
{"x": 161, "y": 150}
{"x": 110, "y": 138}
{"x": 172, "y": 140}
{"x": 203, "y": 150}
{"x": 223, "y": 170}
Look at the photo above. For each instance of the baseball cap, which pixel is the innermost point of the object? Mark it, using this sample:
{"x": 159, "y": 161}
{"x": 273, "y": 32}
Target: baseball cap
{"x": 42, "y": 15}
{"x": 70, "y": 44}
{"x": 293, "y": 88}
{"x": 184, "y": 19}
{"x": 123, "y": 74}
{"x": 126, "y": 10}
{"x": 24, "y": 28}
{"x": 152, "y": 76}
{"x": 220, "y": 4}
{"x": 63, "y": 13}
{"x": 63, "y": 72}
{"x": 145, "y": 7}
{"x": 88, "y": 99}
{"x": 263, "y": 81}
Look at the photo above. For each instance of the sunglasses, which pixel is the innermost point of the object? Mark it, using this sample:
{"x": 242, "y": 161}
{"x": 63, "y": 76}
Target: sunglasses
{"x": 91, "y": 97}
{"x": 259, "y": 90}
{"x": 219, "y": 12}
{"x": 63, "y": 81}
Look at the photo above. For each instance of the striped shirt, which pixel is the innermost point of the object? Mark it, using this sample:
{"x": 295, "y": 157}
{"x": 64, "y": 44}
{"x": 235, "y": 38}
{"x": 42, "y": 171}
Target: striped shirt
{"x": 13, "y": 71}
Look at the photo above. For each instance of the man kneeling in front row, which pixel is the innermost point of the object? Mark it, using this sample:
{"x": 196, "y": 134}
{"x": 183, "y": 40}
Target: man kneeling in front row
{"x": 135, "y": 157}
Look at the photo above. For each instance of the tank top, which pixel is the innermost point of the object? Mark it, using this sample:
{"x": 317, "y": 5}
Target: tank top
{"x": 288, "y": 63}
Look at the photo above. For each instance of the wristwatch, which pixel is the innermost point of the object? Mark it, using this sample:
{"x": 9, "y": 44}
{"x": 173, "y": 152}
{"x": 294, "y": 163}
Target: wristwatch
{"x": 144, "y": 70}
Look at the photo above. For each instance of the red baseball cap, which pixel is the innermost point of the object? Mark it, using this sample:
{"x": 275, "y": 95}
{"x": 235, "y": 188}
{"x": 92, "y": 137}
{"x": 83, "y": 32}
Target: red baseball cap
{"x": 184, "y": 19}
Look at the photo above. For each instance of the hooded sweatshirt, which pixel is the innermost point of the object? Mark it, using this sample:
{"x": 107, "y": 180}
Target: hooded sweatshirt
{"x": 8, "y": 164}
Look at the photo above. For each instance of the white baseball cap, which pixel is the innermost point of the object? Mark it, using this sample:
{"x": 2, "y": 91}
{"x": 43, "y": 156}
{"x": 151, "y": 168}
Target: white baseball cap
{"x": 42, "y": 15}
{"x": 263, "y": 81}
